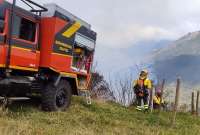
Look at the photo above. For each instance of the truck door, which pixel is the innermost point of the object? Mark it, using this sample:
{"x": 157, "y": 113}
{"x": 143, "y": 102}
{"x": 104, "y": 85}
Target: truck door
{"x": 3, "y": 26}
{"x": 24, "y": 43}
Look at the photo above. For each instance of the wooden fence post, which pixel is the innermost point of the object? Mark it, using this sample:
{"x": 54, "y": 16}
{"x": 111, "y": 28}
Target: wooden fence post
{"x": 176, "y": 101}
{"x": 197, "y": 104}
{"x": 151, "y": 100}
{"x": 192, "y": 104}
{"x": 151, "y": 96}
{"x": 162, "y": 91}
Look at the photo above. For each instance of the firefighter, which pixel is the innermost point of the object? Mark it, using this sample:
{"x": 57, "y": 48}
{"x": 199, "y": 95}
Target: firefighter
{"x": 157, "y": 101}
{"x": 141, "y": 88}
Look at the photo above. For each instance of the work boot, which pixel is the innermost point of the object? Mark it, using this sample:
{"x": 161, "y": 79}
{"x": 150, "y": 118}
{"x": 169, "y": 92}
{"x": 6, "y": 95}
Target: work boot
{"x": 139, "y": 108}
{"x": 146, "y": 107}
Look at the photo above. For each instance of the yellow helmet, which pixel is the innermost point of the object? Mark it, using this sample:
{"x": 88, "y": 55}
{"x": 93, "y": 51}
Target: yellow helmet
{"x": 144, "y": 71}
{"x": 143, "y": 74}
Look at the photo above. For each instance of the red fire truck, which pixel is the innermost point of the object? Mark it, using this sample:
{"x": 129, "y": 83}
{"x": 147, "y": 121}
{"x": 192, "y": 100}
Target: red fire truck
{"x": 45, "y": 51}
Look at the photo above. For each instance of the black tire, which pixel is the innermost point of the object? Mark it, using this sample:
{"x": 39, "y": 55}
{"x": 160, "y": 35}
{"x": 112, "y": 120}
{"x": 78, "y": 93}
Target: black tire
{"x": 56, "y": 98}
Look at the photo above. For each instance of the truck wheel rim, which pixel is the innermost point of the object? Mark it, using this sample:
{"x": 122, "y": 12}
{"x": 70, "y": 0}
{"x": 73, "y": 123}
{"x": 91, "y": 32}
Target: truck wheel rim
{"x": 61, "y": 98}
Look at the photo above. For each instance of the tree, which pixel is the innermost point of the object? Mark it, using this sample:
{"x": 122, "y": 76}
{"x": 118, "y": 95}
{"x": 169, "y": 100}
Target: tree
{"x": 100, "y": 87}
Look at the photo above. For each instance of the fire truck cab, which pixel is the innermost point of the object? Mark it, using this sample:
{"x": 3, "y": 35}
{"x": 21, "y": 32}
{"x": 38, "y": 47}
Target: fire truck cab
{"x": 46, "y": 52}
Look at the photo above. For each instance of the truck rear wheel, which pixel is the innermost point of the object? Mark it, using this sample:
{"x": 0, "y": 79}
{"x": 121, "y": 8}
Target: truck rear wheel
{"x": 56, "y": 98}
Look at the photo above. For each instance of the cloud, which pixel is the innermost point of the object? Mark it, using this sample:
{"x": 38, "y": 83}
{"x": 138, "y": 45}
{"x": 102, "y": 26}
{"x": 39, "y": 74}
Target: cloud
{"x": 117, "y": 59}
{"x": 126, "y": 36}
{"x": 126, "y": 22}
{"x": 122, "y": 24}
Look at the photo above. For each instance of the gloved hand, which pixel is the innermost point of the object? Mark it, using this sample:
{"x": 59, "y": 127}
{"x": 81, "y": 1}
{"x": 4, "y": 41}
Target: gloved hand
{"x": 141, "y": 93}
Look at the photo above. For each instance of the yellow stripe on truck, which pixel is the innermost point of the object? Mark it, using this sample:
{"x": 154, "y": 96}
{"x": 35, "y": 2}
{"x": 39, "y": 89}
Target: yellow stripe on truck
{"x": 2, "y": 65}
{"x": 23, "y": 68}
{"x": 74, "y": 28}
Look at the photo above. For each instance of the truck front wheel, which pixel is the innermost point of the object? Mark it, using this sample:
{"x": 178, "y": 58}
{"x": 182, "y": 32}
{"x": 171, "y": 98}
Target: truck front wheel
{"x": 56, "y": 98}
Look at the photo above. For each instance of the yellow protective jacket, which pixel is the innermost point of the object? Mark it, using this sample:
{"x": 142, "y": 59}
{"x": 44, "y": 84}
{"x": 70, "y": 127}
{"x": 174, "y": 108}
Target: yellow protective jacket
{"x": 147, "y": 83}
{"x": 157, "y": 100}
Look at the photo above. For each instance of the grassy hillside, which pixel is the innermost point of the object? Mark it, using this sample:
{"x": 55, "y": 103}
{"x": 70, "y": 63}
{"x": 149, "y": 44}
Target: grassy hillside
{"x": 96, "y": 119}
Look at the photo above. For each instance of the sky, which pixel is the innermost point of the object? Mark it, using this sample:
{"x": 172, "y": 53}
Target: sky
{"x": 123, "y": 24}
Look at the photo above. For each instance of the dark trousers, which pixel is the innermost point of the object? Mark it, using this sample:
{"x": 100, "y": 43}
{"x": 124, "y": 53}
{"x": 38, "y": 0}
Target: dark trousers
{"x": 156, "y": 106}
{"x": 139, "y": 100}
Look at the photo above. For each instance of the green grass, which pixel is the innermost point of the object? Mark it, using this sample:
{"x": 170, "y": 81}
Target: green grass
{"x": 97, "y": 119}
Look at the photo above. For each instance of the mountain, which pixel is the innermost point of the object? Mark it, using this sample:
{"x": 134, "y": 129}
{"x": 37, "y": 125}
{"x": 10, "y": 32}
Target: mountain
{"x": 181, "y": 58}
{"x": 144, "y": 48}
{"x": 186, "y": 45}
{"x": 138, "y": 54}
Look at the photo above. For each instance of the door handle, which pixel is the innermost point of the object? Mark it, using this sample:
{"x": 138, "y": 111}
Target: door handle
{"x": 34, "y": 49}
{"x": 5, "y": 38}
